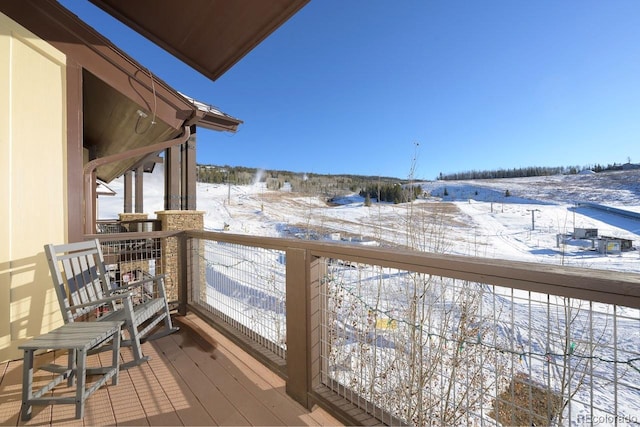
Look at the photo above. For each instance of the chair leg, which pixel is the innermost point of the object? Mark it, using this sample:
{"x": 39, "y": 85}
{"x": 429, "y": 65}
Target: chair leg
{"x": 81, "y": 375}
{"x": 115, "y": 357}
{"x": 27, "y": 384}
{"x": 136, "y": 347}
{"x": 168, "y": 328}
{"x": 168, "y": 324}
{"x": 134, "y": 337}
{"x": 71, "y": 366}
{"x": 133, "y": 341}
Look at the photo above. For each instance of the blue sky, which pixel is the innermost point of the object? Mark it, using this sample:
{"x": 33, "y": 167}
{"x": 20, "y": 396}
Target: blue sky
{"x": 368, "y": 86}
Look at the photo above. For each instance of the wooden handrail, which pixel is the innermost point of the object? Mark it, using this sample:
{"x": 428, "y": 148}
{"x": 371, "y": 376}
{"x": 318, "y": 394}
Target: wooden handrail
{"x": 610, "y": 287}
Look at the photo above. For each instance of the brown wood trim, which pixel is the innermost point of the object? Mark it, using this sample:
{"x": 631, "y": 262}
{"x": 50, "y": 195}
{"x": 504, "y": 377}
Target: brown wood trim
{"x": 171, "y": 178}
{"x": 226, "y": 51}
{"x": 284, "y": 15}
{"x": 139, "y": 187}
{"x": 128, "y": 192}
{"x": 318, "y": 343}
{"x": 346, "y": 412}
{"x": 297, "y": 326}
{"x": 186, "y": 274}
{"x": 131, "y": 235}
{"x": 75, "y": 159}
{"x": 189, "y": 172}
{"x": 611, "y": 287}
{"x": 302, "y": 340}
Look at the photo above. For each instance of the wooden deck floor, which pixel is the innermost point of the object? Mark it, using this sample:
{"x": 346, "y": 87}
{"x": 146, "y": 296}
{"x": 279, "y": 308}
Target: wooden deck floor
{"x": 186, "y": 382}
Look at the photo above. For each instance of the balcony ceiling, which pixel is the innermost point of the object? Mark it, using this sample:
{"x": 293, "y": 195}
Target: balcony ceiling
{"x": 208, "y": 35}
{"x": 112, "y": 125}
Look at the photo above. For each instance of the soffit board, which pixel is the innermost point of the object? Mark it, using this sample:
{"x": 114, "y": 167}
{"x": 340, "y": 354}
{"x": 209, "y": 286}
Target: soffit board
{"x": 113, "y": 124}
{"x": 208, "y": 35}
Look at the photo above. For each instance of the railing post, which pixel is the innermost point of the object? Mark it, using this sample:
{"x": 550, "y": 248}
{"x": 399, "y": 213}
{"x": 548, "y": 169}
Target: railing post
{"x": 317, "y": 336}
{"x": 298, "y": 328}
{"x": 183, "y": 273}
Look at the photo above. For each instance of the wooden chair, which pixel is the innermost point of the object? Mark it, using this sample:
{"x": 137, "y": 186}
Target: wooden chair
{"x": 85, "y": 293}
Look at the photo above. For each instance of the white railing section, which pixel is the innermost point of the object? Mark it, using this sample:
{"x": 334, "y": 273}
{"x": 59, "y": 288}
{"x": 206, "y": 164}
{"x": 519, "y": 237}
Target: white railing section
{"x": 128, "y": 260}
{"x": 418, "y": 349}
{"x": 131, "y": 256}
{"x": 243, "y": 287}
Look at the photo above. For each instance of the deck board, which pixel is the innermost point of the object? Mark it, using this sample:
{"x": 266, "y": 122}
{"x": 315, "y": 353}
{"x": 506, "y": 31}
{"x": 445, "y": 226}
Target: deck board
{"x": 186, "y": 382}
{"x": 190, "y": 408}
{"x": 250, "y": 408}
{"x": 218, "y": 407}
{"x": 127, "y": 408}
{"x": 283, "y": 408}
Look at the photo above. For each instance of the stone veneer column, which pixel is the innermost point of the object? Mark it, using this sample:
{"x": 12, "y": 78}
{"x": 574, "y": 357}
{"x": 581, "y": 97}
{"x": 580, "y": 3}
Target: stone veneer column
{"x": 176, "y": 220}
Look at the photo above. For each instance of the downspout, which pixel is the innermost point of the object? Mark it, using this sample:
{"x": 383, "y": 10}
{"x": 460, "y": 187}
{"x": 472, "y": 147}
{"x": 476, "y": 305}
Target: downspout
{"x": 90, "y": 167}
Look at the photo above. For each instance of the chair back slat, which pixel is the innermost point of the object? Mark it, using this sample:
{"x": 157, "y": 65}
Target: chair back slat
{"x": 78, "y": 275}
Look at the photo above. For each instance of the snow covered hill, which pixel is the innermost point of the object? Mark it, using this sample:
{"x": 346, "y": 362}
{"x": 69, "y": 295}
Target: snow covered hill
{"x": 528, "y": 219}
{"x": 519, "y": 219}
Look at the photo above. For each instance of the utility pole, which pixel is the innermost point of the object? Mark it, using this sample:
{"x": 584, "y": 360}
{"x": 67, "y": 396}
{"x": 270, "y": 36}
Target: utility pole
{"x": 228, "y": 179}
{"x": 533, "y": 219}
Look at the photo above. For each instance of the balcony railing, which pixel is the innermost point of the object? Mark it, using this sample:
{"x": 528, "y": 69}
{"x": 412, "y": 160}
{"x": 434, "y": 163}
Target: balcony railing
{"x": 406, "y": 338}
{"x": 132, "y": 255}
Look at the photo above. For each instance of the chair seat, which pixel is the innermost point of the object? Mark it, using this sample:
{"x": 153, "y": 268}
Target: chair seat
{"x": 143, "y": 310}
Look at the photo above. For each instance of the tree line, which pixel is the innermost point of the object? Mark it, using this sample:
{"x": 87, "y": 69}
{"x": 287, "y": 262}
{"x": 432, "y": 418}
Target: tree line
{"x": 392, "y": 193}
{"x": 524, "y": 172}
{"x": 312, "y": 183}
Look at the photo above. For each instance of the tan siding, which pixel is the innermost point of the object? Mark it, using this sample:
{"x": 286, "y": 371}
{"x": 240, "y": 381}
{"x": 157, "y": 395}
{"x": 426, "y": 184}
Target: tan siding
{"x": 33, "y": 212}
{"x": 5, "y": 248}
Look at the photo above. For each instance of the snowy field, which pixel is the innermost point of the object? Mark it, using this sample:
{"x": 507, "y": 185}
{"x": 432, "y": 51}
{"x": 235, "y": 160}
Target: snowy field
{"x": 527, "y": 219}
{"x": 473, "y": 218}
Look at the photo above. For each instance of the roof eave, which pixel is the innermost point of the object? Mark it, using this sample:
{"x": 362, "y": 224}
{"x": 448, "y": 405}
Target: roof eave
{"x": 210, "y": 65}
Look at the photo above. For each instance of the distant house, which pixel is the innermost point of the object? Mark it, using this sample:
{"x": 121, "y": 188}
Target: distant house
{"x": 607, "y": 244}
{"x": 585, "y": 233}
{"x": 75, "y": 108}
{"x": 630, "y": 166}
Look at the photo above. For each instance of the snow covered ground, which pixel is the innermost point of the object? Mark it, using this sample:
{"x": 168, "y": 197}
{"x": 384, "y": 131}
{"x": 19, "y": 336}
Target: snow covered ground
{"x": 474, "y": 218}
{"x": 465, "y": 217}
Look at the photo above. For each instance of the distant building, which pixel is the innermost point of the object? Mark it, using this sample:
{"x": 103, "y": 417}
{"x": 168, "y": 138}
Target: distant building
{"x": 607, "y": 246}
{"x": 616, "y": 244}
{"x": 630, "y": 166}
{"x": 585, "y": 233}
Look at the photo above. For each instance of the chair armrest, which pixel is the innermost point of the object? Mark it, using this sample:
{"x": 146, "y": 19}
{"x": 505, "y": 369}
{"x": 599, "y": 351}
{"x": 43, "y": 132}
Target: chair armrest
{"x": 102, "y": 301}
{"x": 138, "y": 283}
